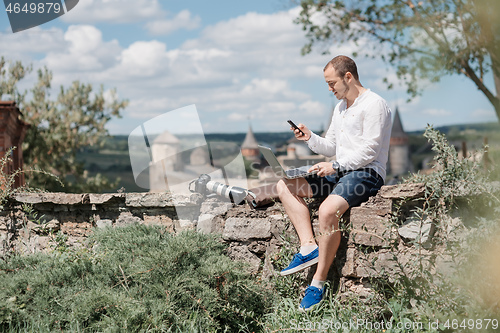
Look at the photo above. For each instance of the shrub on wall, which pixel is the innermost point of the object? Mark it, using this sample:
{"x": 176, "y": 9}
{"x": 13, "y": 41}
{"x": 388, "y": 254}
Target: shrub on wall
{"x": 135, "y": 278}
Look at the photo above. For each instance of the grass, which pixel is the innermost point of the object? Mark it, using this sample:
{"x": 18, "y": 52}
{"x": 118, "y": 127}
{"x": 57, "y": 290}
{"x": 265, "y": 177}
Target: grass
{"x": 136, "y": 278}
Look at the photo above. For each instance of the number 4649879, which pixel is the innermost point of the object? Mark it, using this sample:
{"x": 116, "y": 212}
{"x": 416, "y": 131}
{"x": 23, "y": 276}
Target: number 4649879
{"x": 471, "y": 324}
{"x": 34, "y": 7}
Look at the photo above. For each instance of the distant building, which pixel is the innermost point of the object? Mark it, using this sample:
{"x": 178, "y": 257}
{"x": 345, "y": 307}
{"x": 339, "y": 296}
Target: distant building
{"x": 166, "y": 148}
{"x": 199, "y": 156}
{"x": 169, "y": 172}
{"x": 166, "y": 160}
{"x": 399, "y": 150}
{"x": 250, "y": 147}
{"x": 12, "y": 132}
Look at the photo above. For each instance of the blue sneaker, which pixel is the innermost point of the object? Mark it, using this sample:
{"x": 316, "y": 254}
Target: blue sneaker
{"x": 312, "y": 297}
{"x": 300, "y": 262}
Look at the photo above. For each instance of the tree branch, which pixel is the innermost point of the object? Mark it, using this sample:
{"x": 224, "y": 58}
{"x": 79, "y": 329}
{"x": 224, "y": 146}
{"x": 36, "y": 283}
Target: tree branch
{"x": 469, "y": 72}
{"x": 373, "y": 31}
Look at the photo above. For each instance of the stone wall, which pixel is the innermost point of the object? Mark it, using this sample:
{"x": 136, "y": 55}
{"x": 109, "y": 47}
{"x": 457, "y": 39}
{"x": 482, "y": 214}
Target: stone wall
{"x": 31, "y": 221}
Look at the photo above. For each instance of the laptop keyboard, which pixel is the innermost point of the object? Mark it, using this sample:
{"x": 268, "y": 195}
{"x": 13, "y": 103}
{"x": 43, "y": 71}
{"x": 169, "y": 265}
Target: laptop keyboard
{"x": 293, "y": 173}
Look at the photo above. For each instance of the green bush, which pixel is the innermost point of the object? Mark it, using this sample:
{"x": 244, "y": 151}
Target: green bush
{"x": 135, "y": 278}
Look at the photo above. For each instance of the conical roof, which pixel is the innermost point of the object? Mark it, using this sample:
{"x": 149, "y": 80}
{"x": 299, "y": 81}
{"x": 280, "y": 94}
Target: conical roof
{"x": 250, "y": 142}
{"x": 397, "y": 127}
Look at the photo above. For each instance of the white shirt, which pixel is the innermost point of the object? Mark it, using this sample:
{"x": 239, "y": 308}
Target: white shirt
{"x": 358, "y": 136}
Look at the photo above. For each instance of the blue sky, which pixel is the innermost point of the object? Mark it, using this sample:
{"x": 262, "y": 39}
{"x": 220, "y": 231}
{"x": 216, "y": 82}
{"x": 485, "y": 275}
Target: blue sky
{"x": 238, "y": 62}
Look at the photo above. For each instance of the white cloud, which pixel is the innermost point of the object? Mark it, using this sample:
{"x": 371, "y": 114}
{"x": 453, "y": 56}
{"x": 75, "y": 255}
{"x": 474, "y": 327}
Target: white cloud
{"x": 481, "y": 115}
{"x": 183, "y": 20}
{"x": 438, "y": 112}
{"x": 313, "y": 108}
{"x": 143, "y": 58}
{"x": 246, "y": 66}
{"x": 236, "y": 68}
{"x": 268, "y": 89}
{"x": 113, "y": 11}
{"x": 85, "y": 52}
{"x": 29, "y": 43}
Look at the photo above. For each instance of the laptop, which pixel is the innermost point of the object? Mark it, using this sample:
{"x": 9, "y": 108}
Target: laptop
{"x": 278, "y": 169}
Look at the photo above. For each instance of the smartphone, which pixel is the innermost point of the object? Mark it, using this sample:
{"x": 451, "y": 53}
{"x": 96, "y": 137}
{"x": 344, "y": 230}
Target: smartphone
{"x": 295, "y": 126}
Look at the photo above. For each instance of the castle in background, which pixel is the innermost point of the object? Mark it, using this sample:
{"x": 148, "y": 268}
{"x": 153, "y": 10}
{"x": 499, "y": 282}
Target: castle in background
{"x": 399, "y": 163}
{"x": 250, "y": 147}
{"x": 168, "y": 171}
{"x": 298, "y": 154}
{"x": 167, "y": 168}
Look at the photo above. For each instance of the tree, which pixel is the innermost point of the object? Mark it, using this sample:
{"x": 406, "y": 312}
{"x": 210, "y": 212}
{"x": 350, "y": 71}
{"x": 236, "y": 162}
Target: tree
{"x": 423, "y": 40}
{"x": 60, "y": 127}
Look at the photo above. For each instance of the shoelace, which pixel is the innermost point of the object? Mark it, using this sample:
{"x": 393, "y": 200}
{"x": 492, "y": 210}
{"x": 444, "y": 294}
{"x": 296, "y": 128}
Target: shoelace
{"x": 311, "y": 290}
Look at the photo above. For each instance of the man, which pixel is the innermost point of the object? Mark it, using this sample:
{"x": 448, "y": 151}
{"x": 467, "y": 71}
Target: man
{"x": 359, "y": 138}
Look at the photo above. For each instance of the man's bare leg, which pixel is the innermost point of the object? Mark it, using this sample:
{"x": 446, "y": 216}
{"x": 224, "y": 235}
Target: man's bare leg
{"x": 329, "y": 214}
{"x": 291, "y": 193}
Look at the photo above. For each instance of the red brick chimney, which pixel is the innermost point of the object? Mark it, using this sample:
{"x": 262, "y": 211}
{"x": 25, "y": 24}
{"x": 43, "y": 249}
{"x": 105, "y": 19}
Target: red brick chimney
{"x": 12, "y": 132}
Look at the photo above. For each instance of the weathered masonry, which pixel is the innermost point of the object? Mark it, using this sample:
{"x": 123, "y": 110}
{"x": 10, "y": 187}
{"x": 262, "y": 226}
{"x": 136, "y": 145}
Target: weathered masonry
{"x": 29, "y": 222}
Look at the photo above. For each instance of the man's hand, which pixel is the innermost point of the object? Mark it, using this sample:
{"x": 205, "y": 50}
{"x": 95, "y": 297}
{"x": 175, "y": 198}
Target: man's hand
{"x": 303, "y": 128}
{"x": 323, "y": 168}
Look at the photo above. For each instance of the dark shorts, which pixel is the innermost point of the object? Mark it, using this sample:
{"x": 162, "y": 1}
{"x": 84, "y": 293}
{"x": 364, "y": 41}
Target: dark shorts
{"x": 354, "y": 186}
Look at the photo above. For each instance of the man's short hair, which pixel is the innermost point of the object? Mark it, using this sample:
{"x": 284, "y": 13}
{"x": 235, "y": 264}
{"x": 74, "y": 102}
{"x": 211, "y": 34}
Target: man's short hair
{"x": 342, "y": 65}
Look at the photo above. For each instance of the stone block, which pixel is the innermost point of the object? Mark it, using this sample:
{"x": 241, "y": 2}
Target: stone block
{"x": 77, "y": 229}
{"x": 242, "y": 229}
{"x": 402, "y": 191}
{"x": 33, "y": 243}
{"x": 187, "y": 212}
{"x": 379, "y": 203}
{"x": 257, "y": 247}
{"x": 363, "y": 289}
{"x": 349, "y": 268}
{"x": 206, "y": 224}
{"x": 417, "y": 230}
{"x": 29, "y": 198}
{"x": 104, "y": 223}
{"x": 377, "y": 264}
{"x": 106, "y": 198}
{"x": 127, "y": 218}
{"x": 64, "y": 198}
{"x": 52, "y": 224}
{"x": 149, "y": 200}
{"x": 241, "y": 253}
{"x": 185, "y": 225}
{"x": 215, "y": 207}
{"x": 369, "y": 226}
{"x": 158, "y": 219}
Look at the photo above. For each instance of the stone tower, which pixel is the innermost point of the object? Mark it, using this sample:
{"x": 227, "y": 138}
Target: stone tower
{"x": 399, "y": 151}
{"x": 250, "y": 147}
{"x": 166, "y": 161}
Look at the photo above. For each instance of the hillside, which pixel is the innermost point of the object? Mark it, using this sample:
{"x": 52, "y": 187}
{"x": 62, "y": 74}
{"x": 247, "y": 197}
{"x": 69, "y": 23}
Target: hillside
{"x": 112, "y": 159}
